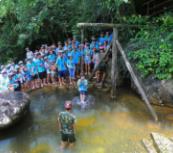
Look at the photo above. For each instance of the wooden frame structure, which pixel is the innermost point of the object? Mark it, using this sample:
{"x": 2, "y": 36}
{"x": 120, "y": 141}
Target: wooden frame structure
{"x": 116, "y": 46}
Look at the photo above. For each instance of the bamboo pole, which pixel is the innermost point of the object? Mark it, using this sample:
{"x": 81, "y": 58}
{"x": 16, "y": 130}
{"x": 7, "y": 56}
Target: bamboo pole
{"x": 136, "y": 81}
{"x": 114, "y": 68}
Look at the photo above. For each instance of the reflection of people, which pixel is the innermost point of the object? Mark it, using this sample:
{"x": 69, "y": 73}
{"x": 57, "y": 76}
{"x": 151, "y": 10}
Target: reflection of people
{"x": 82, "y": 87}
{"x": 66, "y": 122}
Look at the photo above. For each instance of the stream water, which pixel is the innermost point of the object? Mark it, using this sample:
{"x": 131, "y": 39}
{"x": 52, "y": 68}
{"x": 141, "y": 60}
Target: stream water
{"x": 106, "y": 128}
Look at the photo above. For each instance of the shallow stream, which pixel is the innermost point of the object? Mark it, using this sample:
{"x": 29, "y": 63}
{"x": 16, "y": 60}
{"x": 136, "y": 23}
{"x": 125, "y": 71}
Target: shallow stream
{"x": 106, "y": 128}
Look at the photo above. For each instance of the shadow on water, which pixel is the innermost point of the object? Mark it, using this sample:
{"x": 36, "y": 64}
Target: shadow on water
{"x": 107, "y": 127}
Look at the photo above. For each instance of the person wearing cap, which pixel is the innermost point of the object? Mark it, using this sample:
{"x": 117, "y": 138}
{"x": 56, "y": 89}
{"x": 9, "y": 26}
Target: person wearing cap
{"x": 82, "y": 84}
{"x": 66, "y": 122}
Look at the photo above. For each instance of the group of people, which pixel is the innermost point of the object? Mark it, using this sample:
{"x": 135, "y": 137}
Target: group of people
{"x": 57, "y": 64}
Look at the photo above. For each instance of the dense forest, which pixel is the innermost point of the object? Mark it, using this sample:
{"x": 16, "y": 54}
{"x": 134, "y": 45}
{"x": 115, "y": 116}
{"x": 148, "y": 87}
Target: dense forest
{"x": 33, "y": 22}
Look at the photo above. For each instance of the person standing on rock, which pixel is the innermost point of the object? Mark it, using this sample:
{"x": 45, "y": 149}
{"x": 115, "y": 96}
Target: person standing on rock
{"x": 66, "y": 121}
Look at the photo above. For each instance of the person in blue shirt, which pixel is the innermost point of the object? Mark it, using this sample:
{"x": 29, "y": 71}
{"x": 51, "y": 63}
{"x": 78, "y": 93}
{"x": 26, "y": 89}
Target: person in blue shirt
{"x": 41, "y": 70}
{"x": 81, "y": 50}
{"x": 51, "y": 57}
{"x": 94, "y": 43}
{"x": 61, "y": 66}
{"x": 106, "y": 37}
{"x": 76, "y": 59}
{"x": 28, "y": 78}
{"x": 101, "y": 39}
{"x": 87, "y": 59}
{"x": 71, "y": 69}
{"x": 82, "y": 84}
{"x": 34, "y": 73}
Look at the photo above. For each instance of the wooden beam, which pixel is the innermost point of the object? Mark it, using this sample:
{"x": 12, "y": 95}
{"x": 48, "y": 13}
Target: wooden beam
{"x": 136, "y": 81}
{"x": 114, "y": 68}
{"x": 101, "y": 60}
{"x": 107, "y": 25}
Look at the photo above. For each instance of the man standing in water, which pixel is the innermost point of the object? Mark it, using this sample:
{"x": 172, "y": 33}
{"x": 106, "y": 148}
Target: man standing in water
{"x": 66, "y": 122}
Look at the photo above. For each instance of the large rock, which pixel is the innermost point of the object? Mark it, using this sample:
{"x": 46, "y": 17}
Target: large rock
{"x": 158, "y": 144}
{"x": 166, "y": 91}
{"x": 13, "y": 106}
{"x": 157, "y": 91}
{"x": 162, "y": 143}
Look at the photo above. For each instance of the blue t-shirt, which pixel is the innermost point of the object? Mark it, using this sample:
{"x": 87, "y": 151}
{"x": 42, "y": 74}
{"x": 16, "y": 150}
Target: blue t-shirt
{"x": 40, "y": 65}
{"x": 94, "y": 45}
{"x": 51, "y": 58}
{"x": 29, "y": 67}
{"x": 101, "y": 40}
{"x": 82, "y": 85}
{"x": 34, "y": 68}
{"x": 76, "y": 56}
{"x": 70, "y": 64}
{"x": 60, "y": 63}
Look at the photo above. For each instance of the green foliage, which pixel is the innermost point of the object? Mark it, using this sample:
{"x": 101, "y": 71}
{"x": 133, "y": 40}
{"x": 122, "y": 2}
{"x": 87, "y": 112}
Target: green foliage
{"x": 153, "y": 51}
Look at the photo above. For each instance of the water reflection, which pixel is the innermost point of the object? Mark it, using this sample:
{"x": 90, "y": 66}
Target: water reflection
{"x": 108, "y": 127}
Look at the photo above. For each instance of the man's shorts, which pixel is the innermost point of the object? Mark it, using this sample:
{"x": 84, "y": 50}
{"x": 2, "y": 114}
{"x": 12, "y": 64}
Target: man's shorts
{"x": 42, "y": 75}
{"x": 83, "y": 92}
{"x": 62, "y": 74}
{"x": 35, "y": 77}
{"x": 68, "y": 138}
{"x": 72, "y": 73}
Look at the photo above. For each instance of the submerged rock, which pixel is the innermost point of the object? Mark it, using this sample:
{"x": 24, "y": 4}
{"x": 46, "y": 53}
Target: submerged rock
{"x": 149, "y": 146}
{"x": 158, "y": 144}
{"x": 13, "y": 105}
{"x": 163, "y": 144}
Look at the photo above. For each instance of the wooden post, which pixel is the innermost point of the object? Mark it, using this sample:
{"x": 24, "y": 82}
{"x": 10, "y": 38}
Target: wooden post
{"x": 114, "y": 68}
{"x": 136, "y": 81}
{"x": 82, "y": 58}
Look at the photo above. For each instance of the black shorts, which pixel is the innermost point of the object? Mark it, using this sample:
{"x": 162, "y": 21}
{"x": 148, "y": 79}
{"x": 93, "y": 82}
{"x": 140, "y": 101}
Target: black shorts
{"x": 35, "y": 77}
{"x": 42, "y": 75}
{"x": 68, "y": 138}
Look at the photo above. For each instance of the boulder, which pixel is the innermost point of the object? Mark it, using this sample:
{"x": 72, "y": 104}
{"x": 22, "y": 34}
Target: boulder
{"x": 13, "y": 106}
{"x": 148, "y": 144}
{"x": 157, "y": 91}
{"x": 162, "y": 143}
{"x": 166, "y": 91}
